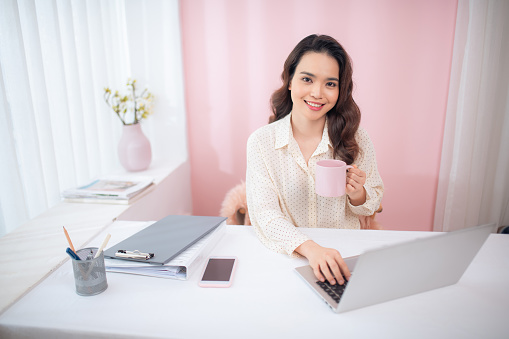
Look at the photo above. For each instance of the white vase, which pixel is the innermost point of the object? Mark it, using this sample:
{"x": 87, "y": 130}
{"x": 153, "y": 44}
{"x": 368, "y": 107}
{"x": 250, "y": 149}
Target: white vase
{"x": 134, "y": 149}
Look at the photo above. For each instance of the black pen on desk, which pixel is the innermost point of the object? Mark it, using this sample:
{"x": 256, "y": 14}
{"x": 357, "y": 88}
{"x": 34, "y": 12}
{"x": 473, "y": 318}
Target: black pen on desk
{"x": 72, "y": 254}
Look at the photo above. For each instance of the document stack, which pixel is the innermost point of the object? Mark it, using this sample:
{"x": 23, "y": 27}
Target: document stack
{"x": 172, "y": 247}
{"x": 113, "y": 190}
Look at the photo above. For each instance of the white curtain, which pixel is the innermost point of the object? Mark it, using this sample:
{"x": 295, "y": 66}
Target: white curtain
{"x": 474, "y": 175}
{"x": 56, "y": 58}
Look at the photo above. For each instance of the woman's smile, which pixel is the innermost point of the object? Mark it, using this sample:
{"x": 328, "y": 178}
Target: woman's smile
{"x": 315, "y": 106}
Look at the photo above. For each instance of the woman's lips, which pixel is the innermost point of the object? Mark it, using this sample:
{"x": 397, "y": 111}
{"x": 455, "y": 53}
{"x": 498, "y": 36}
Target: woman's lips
{"x": 315, "y": 106}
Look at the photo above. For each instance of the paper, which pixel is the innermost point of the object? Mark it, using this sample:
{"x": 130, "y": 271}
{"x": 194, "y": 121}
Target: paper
{"x": 110, "y": 188}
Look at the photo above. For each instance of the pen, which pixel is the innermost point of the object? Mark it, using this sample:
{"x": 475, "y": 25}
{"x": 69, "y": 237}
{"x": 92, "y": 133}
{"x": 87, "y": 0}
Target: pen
{"x": 69, "y": 240}
{"x": 72, "y": 254}
{"x": 105, "y": 242}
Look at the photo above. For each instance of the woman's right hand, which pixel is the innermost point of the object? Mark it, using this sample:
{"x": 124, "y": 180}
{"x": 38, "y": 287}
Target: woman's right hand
{"x": 326, "y": 263}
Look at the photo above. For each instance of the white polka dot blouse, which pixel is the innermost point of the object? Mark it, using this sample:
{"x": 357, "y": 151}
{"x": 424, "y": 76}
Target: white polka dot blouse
{"x": 280, "y": 187}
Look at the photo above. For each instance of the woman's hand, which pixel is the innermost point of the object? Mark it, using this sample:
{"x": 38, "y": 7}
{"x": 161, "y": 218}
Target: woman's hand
{"x": 355, "y": 180}
{"x": 326, "y": 263}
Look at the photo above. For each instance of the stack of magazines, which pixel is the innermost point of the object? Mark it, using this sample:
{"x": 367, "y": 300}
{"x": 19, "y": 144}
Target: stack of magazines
{"x": 116, "y": 190}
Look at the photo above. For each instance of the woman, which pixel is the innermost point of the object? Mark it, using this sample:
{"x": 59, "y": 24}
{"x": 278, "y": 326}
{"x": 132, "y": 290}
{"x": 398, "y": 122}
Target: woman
{"x": 314, "y": 118}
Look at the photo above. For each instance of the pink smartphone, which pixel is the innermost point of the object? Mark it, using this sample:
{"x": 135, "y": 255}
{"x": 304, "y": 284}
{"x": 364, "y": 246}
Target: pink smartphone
{"x": 218, "y": 272}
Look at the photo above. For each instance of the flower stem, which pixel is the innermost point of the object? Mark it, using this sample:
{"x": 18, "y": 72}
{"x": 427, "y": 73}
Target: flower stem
{"x": 134, "y": 102}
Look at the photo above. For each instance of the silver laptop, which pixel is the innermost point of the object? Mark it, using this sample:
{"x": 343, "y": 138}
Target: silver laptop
{"x": 402, "y": 270}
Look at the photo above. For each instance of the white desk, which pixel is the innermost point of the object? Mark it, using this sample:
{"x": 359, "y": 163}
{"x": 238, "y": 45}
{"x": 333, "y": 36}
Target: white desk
{"x": 37, "y": 245}
{"x": 267, "y": 299}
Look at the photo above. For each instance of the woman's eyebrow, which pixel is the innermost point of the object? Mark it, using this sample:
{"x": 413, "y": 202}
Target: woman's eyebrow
{"x": 314, "y": 76}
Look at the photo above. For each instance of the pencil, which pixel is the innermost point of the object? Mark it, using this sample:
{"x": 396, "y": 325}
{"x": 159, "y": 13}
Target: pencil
{"x": 69, "y": 240}
{"x": 105, "y": 242}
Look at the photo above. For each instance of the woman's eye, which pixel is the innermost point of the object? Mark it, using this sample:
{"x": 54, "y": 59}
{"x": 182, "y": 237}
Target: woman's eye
{"x": 331, "y": 84}
{"x": 306, "y": 79}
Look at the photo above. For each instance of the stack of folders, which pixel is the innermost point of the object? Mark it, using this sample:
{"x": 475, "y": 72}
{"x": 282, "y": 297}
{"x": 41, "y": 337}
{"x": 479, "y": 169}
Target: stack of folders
{"x": 173, "y": 247}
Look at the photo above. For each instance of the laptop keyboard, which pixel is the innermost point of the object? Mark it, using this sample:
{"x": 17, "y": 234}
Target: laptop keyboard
{"x": 335, "y": 291}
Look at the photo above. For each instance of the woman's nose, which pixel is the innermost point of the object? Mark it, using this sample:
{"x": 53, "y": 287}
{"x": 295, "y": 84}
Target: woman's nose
{"x": 316, "y": 91}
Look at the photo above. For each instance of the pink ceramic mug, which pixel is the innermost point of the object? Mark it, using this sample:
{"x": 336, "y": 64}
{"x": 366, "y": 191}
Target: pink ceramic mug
{"x": 330, "y": 177}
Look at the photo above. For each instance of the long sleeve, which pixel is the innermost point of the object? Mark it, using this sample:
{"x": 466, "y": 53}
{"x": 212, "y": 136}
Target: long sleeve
{"x": 272, "y": 226}
{"x": 366, "y": 161}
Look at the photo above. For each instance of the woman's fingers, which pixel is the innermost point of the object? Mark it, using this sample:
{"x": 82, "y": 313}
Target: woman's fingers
{"x": 324, "y": 267}
{"x": 327, "y": 263}
{"x": 333, "y": 268}
{"x": 318, "y": 272}
{"x": 344, "y": 269}
{"x": 356, "y": 177}
{"x": 355, "y": 180}
{"x": 336, "y": 271}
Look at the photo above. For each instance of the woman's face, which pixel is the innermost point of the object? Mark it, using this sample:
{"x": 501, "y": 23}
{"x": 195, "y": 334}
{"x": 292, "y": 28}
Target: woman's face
{"x": 315, "y": 86}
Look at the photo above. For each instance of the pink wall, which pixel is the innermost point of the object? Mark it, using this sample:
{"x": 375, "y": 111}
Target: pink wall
{"x": 401, "y": 50}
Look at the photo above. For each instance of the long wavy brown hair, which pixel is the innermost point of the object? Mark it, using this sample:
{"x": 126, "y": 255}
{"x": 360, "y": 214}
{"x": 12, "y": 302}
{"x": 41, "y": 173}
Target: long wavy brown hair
{"x": 344, "y": 118}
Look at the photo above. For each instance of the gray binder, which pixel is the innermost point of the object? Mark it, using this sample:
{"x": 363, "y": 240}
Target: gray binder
{"x": 166, "y": 238}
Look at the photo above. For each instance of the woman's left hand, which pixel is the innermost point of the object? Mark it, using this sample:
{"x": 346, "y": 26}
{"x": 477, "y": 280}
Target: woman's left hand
{"x": 355, "y": 180}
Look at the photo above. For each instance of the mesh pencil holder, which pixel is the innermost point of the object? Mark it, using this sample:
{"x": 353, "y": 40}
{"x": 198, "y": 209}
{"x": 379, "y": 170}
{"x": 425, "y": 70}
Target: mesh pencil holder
{"x": 89, "y": 272}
